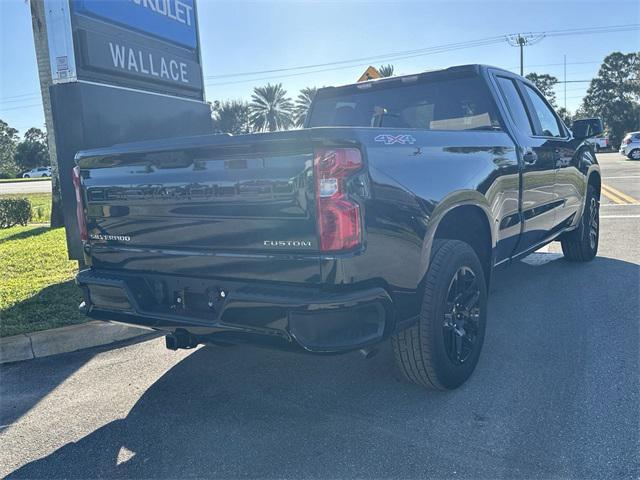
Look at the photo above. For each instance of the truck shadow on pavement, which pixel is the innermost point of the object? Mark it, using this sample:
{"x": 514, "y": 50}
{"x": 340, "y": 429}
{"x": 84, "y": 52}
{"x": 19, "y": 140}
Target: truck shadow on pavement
{"x": 550, "y": 397}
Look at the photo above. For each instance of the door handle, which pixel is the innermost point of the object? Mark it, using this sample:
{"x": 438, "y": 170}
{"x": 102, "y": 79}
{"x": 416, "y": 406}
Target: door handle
{"x": 530, "y": 157}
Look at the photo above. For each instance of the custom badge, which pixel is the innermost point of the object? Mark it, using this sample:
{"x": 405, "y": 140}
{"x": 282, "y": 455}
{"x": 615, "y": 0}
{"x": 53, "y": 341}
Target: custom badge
{"x": 388, "y": 139}
{"x": 287, "y": 243}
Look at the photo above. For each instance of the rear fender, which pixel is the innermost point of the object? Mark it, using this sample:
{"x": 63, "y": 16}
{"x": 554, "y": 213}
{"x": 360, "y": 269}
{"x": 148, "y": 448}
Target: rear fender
{"x": 456, "y": 199}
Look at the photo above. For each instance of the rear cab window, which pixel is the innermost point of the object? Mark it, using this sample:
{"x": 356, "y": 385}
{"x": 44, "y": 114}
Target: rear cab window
{"x": 515, "y": 104}
{"x": 438, "y": 103}
{"x": 549, "y": 124}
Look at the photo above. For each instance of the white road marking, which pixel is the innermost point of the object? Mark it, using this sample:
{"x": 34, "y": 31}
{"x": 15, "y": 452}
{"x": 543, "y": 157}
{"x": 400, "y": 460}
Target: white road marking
{"x": 619, "y": 216}
{"x": 630, "y": 205}
{"x": 621, "y": 178}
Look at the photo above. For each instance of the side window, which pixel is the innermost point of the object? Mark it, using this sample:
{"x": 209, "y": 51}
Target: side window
{"x": 548, "y": 120}
{"x": 516, "y": 106}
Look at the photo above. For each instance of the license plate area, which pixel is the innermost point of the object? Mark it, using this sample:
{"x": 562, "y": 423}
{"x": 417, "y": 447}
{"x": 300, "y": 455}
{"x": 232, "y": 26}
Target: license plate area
{"x": 191, "y": 298}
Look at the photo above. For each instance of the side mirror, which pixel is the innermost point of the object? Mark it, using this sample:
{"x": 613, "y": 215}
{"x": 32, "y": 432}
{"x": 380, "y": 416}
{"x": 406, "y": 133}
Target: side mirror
{"x": 587, "y": 127}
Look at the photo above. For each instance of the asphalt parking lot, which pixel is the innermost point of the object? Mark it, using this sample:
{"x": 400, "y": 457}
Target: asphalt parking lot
{"x": 556, "y": 393}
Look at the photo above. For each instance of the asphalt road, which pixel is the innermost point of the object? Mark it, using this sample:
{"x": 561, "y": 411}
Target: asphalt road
{"x": 556, "y": 393}
{"x": 41, "y": 186}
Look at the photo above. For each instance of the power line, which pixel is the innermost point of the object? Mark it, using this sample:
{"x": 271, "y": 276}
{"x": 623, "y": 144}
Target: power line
{"x": 588, "y": 30}
{"x": 522, "y": 39}
{"x": 529, "y": 38}
{"x": 344, "y": 66}
{"x": 27, "y": 99}
{"x": 21, "y": 107}
{"x": 382, "y": 57}
{"x": 428, "y": 50}
{"x": 24, "y": 95}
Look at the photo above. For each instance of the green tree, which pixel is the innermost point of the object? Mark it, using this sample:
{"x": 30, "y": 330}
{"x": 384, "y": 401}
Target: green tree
{"x": 33, "y": 150}
{"x": 270, "y": 109}
{"x": 231, "y": 116}
{"x": 614, "y": 95}
{"x": 386, "y": 70}
{"x": 545, "y": 84}
{"x": 303, "y": 103}
{"x": 8, "y": 143}
{"x": 565, "y": 115}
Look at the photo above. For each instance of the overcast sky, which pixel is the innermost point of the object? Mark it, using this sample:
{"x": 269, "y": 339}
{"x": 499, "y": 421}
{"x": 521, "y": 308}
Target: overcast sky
{"x": 238, "y": 37}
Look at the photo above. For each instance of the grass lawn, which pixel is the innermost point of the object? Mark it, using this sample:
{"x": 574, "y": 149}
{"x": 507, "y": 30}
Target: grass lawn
{"x": 40, "y": 205}
{"x": 37, "y": 290}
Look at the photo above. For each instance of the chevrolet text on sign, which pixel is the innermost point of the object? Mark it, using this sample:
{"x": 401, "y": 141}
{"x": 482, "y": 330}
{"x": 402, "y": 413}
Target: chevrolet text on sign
{"x": 172, "y": 20}
{"x": 115, "y": 55}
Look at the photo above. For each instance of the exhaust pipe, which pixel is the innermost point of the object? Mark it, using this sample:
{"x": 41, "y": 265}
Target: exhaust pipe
{"x": 180, "y": 339}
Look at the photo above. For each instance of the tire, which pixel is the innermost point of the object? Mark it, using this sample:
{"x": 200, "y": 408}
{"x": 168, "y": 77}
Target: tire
{"x": 582, "y": 244}
{"x": 634, "y": 154}
{"x": 427, "y": 352}
{"x": 26, "y": 176}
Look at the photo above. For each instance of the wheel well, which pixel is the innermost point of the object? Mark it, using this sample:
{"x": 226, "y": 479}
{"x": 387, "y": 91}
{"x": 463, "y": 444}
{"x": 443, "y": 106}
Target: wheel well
{"x": 469, "y": 224}
{"x": 595, "y": 181}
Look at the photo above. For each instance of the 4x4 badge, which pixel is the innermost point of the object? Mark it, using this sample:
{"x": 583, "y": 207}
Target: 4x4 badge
{"x": 402, "y": 139}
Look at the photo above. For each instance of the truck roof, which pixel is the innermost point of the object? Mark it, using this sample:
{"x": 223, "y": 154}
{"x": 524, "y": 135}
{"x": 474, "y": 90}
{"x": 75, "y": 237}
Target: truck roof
{"x": 458, "y": 69}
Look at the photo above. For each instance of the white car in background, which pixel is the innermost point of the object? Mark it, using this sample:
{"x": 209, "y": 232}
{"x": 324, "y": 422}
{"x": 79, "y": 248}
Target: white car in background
{"x": 602, "y": 143}
{"x": 38, "y": 172}
{"x": 630, "y": 146}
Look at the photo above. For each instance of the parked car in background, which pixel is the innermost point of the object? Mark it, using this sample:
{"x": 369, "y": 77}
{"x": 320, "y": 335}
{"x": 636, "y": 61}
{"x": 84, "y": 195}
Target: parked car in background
{"x": 37, "y": 172}
{"x": 585, "y": 128}
{"x": 602, "y": 143}
{"x": 630, "y": 146}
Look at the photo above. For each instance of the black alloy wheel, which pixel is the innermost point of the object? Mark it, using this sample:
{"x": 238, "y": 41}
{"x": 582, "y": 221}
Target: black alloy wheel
{"x": 462, "y": 316}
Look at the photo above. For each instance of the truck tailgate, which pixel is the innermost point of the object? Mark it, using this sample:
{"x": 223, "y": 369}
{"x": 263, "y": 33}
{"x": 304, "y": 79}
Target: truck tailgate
{"x": 227, "y": 203}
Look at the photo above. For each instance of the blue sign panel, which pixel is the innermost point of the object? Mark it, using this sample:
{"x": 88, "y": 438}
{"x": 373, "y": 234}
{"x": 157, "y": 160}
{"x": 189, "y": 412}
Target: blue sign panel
{"x": 171, "y": 20}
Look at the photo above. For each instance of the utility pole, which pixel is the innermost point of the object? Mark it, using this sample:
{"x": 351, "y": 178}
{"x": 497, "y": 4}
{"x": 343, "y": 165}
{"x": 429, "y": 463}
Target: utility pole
{"x": 521, "y": 40}
{"x": 565, "y": 82}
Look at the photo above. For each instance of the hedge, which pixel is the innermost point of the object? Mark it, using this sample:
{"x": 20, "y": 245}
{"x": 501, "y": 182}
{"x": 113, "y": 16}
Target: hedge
{"x": 14, "y": 211}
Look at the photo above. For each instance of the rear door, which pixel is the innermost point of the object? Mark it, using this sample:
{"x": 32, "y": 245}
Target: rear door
{"x": 553, "y": 141}
{"x": 538, "y": 166}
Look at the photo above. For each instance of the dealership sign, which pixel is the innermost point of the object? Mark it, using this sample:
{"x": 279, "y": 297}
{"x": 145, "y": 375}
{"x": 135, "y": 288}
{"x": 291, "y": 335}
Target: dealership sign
{"x": 118, "y": 71}
{"x": 121, "y": 57}
{"x": 172, "y": 20}
{"x": 149, "y": 45}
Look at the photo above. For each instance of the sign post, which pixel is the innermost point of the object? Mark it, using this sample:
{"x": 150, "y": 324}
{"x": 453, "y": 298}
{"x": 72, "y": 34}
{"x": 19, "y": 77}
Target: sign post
{"x": 119, "y": 71}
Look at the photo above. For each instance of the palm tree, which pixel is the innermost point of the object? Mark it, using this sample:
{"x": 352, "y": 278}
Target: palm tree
{"x": 270, "y": 108}
{"x": 386, "y": 70}
{"x": 231, "y": 116}
{"x": 303, "y": 102}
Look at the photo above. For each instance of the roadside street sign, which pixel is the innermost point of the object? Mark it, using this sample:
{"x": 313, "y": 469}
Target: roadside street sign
{"x": 370, "y": 73}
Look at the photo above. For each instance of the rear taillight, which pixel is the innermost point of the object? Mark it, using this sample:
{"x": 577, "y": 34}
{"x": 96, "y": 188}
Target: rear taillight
{"x": 338, "y": 215}
{"x": 82, "y": 224}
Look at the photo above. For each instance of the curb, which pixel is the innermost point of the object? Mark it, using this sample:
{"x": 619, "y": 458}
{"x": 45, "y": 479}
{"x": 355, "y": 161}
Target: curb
{"x": 95, "y": 333}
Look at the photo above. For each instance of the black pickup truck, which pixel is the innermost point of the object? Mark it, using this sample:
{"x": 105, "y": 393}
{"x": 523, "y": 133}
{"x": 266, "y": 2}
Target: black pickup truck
{"x": 382, "y": 219}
